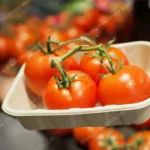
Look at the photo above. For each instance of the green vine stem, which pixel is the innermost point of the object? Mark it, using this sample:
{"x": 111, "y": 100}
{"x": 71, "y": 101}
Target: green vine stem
{"x": 101, "y": 52}
{"x": 82, "y": 38}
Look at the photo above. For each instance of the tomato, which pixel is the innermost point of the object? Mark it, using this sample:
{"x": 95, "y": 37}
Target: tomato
{"x": 17, "y": 48}
{"x": 87, "y": 20}
{"x": 106, "y": 140}
{"x": 25, "y": 34}
{"x": 34, "y": 22}
{"x": 38, "y": 70}
{"x": 113, "y": 51}
{"x": 24, "y": 57}
{"x": 92, "y": 66}
{"x": 72, "y": 33}
{"x": 143, "y": 125}
{"x": 60, "y": 132}
{"x": 107, "y": 23}
{"x": 82, "y": 22}
{"x": 52, "y": 20}
{"x": 144, "y": 137}
{"x": 44, "y": 32}
{"x": 129, "y": 85}
{"x": 4, "y": 47}
{"x": 84, "y": 134}
{"x": 27, "y": 37}
{"x": 81, "y": 94}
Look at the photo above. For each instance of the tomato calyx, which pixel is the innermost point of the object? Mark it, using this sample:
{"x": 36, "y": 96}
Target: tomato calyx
{"x": 109, "y": 142}
{"x": 65, "y": 81}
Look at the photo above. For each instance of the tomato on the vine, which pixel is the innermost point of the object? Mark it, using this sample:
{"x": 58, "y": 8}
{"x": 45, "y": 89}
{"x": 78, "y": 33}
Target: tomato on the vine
{"x": 83, "y": 134}
{"x": 60, "y": 132}
{"x": 82, "y": 93}
{"x": 107, "y": 140}
{"x": 142, "y": 138}
{"x": 93, "y": 65}
{"x": 38, "y": 70}
{"x": 129, "y": 85}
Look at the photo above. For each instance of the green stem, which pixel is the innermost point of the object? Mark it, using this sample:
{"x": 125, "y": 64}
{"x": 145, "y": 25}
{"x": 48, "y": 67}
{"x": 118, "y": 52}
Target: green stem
{"x": 41, "y": 48}
{"x": 49, "y": 48}
{"x": 82, "y": 38}
{"x": 110, "y": 61}
{"x": 65, "y": 81}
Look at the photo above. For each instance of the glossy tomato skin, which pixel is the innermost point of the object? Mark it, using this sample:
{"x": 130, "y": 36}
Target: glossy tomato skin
{"x": 141, "y": 135}
{"x": 143, "y": 125}
{"x": 81, "y": 94}
{"x": 92, "y": 66}
{"x": 4, "y": 47}
{"x": 83, "y": 134}
{"x": 38, "y": 70}
{"x": 115, "y": 138}
{"x": 127, "y": 86}
{"x": 60, "y": 132}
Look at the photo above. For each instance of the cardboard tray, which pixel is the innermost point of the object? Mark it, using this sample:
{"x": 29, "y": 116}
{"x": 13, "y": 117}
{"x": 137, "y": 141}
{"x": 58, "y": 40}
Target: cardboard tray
{"x": 35, "y": 117}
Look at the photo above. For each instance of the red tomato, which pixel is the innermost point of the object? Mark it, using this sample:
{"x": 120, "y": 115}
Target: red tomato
{"x": 106, "y": 140}
{"x": 60, "y": 132}
{"x": 84, "y": 134}
{"x": 129, "y": 85}
{"x": 25, "y": 34}
{"x": 17, "y": 48}
{"x": 4, "y": 47}
{"x": 108, "y": 23}
{"x": 34, "y": 22}
{"x": 28, "y": 38}
{"x": 92, "y": 66}
{"x": 87, "y": 20}
{"x": 44, "y": 32}
{"x": 81, "y": 94}
{"x": 113, "y": 51}
{"x": 72, "y": 33}
{"x": 38, "y": 70}
{"x": 143, "y": 125}
{"x": 144, "y": 137}
{"x": 24, "y": 57}
{"x": 82, "y": 22}
{"x": 52, "y": 20}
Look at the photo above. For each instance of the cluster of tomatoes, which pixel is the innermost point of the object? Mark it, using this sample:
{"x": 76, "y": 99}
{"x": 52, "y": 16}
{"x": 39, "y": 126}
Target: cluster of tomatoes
{"x": 103, "y": 138}
{"x": 17, "y": 40}
{"x": 103, "y": 75}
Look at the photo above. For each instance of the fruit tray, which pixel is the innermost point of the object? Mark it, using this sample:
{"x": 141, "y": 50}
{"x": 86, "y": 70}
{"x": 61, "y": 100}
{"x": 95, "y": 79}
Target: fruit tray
{"x": 35, "y": 117}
